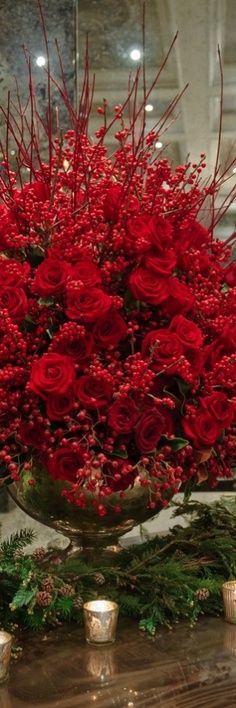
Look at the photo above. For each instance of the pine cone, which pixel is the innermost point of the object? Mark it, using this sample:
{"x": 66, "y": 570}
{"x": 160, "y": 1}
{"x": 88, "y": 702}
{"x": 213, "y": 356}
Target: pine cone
{"x": 202, "y": 594}
{"x": 43, "y": 598}
{"x": 99, "y": 578}
{"x": 78, "y": 603}
{"x": 18, "y": 554}
{"x": 66, "y": 590}
{"x": 47, "y": 584}
{"x": 39, "y": 554}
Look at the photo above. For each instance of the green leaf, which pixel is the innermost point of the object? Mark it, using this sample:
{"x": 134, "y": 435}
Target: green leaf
{"x": 23, "y": 597}
{"x": 183, "y": 386}
{"x": 119, "y": 453}
{"x": 177, "y": 444}
{"x": 45, "y": 301}
{"x": 225, "y": 288}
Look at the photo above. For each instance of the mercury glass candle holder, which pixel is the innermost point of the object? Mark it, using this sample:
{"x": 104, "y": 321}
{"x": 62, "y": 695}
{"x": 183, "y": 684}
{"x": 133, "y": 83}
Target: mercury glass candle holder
{"x": 100, "y": 621}
{"x": 5, "y": 654}
{"x": 229, "y": 598}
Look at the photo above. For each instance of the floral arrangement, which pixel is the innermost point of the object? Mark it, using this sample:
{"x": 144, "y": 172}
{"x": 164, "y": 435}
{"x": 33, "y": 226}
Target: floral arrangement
{"x": 118, "y": 311}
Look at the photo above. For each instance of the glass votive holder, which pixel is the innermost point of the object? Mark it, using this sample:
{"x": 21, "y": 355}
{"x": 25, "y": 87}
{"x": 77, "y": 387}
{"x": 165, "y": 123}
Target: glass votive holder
{"x": 229, "y": 599}
{"x": 5, "y": 654}
{"x": 100, "y": 621}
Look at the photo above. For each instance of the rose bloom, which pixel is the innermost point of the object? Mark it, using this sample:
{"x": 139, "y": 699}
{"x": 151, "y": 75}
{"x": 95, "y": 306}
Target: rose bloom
{"x": 220, "y": 408}
{"x": 180, "y": 298}
{"x": 31, "y": 434}
{"x": 139, "y": 230}
{"x": 187, "y": 332}
{"x": 78, "y": 346}
{"x": 148, "y": 286}
{"x": 93, "y": 392}
{"x": 196, "y": 358}
{"x": 161, "y": 233}
{"x": 113, "y": 202}
{"x": 123, "y": 415}
{"x": 52, "y": 374}
{"x": 203, "y": 428}
{"x": 109, "y": 330}
{"x": 87, "y": 304}
{"x": 162, "y": 347}
{"x": 150, "y": 428}
{"x": 39, "y": 190}
{"x": 65, "y": 463}
{"x": 228, "y": 338}
{"x": 59, "y": 405}
{"x": 15, "y": 301}
{"x": 163, "y": 264}
{"x": 192, "y": 235}
{"x": 229, "y": 275}
{"x": 86, "y": 272}
{"x": 51, "y": 277}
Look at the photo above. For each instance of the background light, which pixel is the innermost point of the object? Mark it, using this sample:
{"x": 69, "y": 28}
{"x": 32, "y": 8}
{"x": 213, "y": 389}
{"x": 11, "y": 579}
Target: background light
{"x": 149, "y": 107}
{"x": 135, "y": 54}
{"x": 40, "y": 61}
{"x": 234, "y": 170}
{"x": 158, "y": 144}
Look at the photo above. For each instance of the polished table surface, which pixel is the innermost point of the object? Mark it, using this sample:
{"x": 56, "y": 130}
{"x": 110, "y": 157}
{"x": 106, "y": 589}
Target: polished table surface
{"x": 180, "y": 668}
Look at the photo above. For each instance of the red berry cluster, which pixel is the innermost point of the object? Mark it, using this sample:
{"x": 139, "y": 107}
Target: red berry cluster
{"x": 118, "y": 320}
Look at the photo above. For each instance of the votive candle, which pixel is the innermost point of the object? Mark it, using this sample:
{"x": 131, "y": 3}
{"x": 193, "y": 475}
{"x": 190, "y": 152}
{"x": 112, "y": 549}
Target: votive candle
{"x": 5, "y": 654}
{"x": 100, "y": 620}
{"x": 229, "y": 598}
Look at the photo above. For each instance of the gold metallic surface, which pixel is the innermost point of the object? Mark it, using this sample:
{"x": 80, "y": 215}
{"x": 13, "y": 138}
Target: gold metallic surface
{"x": 229, "y": 598}
{"x": 100, "y": 621}
{"x": 5, "y": 654}
{"x": 83, "y": 527}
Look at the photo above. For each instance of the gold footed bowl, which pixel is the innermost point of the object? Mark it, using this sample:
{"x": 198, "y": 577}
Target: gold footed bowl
{"x": 84, "y": 527}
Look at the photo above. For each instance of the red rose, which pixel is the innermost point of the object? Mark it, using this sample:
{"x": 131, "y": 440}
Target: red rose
{"x": 93, "y": 392}
{"x": 150, "y": 428}
{"x": 229, "y": 275}
{"x": 228, "y": 338}
{"x": 220, "y": 408}
{"x": 52, "y": 374}
{"x": 148, "y": 287}
{"x": 139, "y": 229}
{"x": 59, "y": 405}
{"x": 87, "y": 304}
{"x": 76, "y": 343}
{"x": 65, "y": 464}
{"x": 31, "y": 434}
{"x": 162, "y": 264}
{"x": 192, "y": 235}
{"x": 180, "y": 297}
{"x": 187, "y": 331}
{"x": 113, "y": 202}
{"x": 196, "y": 358}
{"x": 202, "y": 429}
{"x": 119, "y": 477}
{"x": 123, "y": 415}
{"x": 15, "y": 301}
{"x": 109, "y": 331}
{"x": 39, "y": 190}
{"x": 86, "y": 272}
{"x": 161, "y": 233}
{"x": 162, "y": 347}
{"x": 51, "y": 277}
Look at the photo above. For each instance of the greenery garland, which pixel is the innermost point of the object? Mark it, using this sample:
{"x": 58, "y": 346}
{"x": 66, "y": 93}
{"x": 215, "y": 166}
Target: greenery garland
{"x": 159, "y": 582}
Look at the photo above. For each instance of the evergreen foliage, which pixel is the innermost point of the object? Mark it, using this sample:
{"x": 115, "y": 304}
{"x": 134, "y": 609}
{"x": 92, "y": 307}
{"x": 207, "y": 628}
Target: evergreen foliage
{"x": 161, "y": 581}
